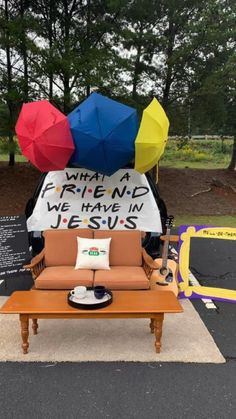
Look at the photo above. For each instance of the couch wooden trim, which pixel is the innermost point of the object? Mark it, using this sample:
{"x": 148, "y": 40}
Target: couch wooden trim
{"x": 149, "y": 265}
{"x": 37, "y": 264}
{"x": 171, "y": 238}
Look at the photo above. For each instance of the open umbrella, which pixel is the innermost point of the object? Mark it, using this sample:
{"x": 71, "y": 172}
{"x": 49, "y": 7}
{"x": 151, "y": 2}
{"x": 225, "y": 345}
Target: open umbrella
{"x": 103, "y": 131}
{"x": 44, "y": 136}
{"x": 152, "y": 137}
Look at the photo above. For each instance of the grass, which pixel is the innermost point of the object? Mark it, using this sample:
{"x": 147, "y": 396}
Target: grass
{"x": 179, "y": 153}
{"x": 197, "y": 154}
{"x": 178, "y": 164}
{"x": 213, "y": 220}
{"x": 18, "y": 158}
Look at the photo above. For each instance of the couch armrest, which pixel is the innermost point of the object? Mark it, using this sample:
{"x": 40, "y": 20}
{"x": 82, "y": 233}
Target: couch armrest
{"x": 149, "y": 265}
{"x": 37, "y": 265}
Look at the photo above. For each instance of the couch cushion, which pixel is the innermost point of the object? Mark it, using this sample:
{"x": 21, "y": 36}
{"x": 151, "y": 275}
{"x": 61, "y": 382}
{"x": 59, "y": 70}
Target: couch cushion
{"x": 61, "y": 245}
{"x": 63, "y": 278}
{"x": 122, "y": 278}
{"x": 125, "y": 249}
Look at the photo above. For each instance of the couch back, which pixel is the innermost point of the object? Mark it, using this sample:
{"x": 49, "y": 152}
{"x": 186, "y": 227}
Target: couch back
{"x": 125, "y": 247}
{"x": 61, "y": 246}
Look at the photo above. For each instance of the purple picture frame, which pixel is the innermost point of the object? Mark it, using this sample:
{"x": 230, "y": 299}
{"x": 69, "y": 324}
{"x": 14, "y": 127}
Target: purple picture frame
{"x": 186, "y": 232}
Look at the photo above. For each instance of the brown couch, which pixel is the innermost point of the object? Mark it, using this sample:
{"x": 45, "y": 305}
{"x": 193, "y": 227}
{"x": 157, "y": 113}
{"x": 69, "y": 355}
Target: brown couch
{"x": 130, "y": 266}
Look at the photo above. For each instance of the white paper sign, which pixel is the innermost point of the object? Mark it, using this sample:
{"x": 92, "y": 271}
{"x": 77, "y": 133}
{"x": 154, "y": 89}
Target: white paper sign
{"x": 79, "y": 198}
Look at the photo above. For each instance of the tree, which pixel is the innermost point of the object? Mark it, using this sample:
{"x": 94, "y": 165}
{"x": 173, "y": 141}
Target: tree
{"x": 76, "y": 54}
{"x": 231, "y": 106}
{"x": 7, "y": 81}
{"x": 21, "y": 9}
{"x": 177, "y": 50}
{"x": 213, "y": 88}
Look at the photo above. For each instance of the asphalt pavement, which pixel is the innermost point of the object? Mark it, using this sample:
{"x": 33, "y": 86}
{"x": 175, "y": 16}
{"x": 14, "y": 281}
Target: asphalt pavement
{"x": 117, "y": 390}
{"x": 97, "y": 390}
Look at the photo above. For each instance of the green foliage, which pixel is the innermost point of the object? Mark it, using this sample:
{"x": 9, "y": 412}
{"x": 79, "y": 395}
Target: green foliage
{"x": 5, "y": 147}
{"x": 197, "y": 151}
{"x": 180, "y": 51}
{"x": 211, "y": 220}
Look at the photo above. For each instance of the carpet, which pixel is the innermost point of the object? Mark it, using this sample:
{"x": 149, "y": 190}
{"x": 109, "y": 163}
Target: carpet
{"x": 185, "y": 339}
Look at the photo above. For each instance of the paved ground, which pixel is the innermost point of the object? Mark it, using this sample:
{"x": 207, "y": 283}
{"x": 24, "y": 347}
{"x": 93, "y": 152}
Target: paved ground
{"x": 117, "y": 390}
{"x": 128, "y": 390}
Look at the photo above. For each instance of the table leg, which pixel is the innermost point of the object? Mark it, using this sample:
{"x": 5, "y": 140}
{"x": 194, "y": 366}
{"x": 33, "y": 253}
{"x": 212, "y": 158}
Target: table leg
{"x": 158, "y": 322}
{"x": 151, "y": 325}
{"x": 35, "y": 326}
{"x": 24, "y": 319}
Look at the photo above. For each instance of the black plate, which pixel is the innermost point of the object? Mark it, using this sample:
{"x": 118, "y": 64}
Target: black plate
{"x": 94, "y": 306}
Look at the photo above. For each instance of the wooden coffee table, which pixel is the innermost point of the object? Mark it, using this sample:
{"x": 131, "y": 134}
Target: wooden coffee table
{"x": 38, "y": 304}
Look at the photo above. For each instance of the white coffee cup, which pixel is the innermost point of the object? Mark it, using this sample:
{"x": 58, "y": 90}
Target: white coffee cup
{"x": 79, "y": 292}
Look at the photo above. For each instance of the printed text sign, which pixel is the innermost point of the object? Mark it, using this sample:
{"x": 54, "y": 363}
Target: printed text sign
{"x": 14, "y": 246}
{"x": 77, "y": 198}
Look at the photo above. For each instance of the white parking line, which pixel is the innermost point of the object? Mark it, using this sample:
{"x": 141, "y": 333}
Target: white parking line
{"x": 207, "y": 301}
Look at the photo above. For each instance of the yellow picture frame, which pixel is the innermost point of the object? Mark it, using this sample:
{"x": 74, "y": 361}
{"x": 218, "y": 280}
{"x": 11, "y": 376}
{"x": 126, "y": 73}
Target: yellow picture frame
{"x": 195, "y": 291}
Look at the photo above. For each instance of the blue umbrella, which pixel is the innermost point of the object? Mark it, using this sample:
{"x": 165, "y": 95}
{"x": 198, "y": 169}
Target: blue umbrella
{"x": 103, "y": 131}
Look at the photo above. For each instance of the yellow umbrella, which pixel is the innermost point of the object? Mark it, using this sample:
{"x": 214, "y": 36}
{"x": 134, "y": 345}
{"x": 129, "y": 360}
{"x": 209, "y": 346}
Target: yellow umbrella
{"x": 151, "y": 138}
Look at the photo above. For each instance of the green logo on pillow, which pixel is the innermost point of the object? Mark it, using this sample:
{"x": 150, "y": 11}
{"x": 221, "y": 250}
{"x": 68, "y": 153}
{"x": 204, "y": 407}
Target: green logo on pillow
{"x": 94, "y": 251}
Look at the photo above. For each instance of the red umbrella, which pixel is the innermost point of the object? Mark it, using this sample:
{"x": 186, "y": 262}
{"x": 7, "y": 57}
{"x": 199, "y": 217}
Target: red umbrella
{"x": 44, "y": 136}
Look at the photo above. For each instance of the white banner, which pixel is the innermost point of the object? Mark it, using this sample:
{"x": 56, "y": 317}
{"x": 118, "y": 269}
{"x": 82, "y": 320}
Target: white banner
{"x": 79, "y": 198}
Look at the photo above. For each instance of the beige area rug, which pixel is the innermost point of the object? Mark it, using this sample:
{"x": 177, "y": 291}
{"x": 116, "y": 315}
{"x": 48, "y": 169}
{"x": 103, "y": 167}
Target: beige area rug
{"x": 185, "y": 339}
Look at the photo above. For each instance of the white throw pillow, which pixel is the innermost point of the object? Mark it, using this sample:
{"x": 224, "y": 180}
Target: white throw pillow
{"x": 93, "y": 253}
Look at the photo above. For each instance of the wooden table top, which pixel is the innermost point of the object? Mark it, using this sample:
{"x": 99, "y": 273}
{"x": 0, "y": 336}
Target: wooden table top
{"x": 124, "y": 302}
